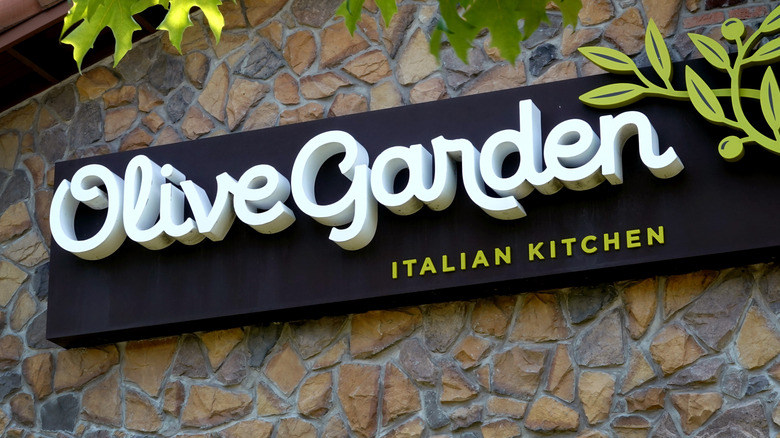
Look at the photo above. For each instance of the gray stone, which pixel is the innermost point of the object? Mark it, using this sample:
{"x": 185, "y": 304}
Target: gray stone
{"x": 314, "y": 13}
{"x": 40, "y": 282}
{"x": 9, "y": 384}
{"x": 416, "y": 361}
{"x": 62, "y": 101}
{"x": 603, "y": 343}
{"x": 98, "y": 434}
{"x": 544, "y": 32}
{"x": 742, "y": 421}
{"x": 703, "y": 371}
{"x": 464, "y": 417}
{"x": 60, "y": 413}
{"x": 442, "y": 324}
{"x": 770, "y": 287}
{"x": 471, "y": 435}
{"x": 434, "y": 415}
{"x": 87, "y": 125}
{"x": 713, "y": 317}
{"x": 262, "y": 62}
{"x": 585, "y": 302}
{"x": 235, "y": 368}
{"x": 457, "y": 72}
{"x": 665, "y": 428}
{"x": 52, "y": 143}
{"x": 757, "y": 384}
{"x": 136, "y": 63}
{"x": 36, "y": 333}
{"x": 167, "y": 73}
{"x": 311, "y": 337}
{"x": 190, "y": 361}
{"x": 734, "y": 382}
{"x": 16, "y": 189}
{"x": 178, "y": 104}
{"x": 541, "y": 57}
{"x": 261, "y": 339}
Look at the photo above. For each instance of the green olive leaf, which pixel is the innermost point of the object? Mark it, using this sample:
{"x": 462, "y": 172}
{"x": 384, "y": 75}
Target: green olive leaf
{"x": 771, "y": 23}
{"x": 178, "y": 19}
{"x": 770, "y": 99}
{"x": 613, "y": 95}
{"x": 769, "y": 52}
{"x": 703, "y": 98}
{"x": 609, "y": 59}
{"x": 657, "y": 52}
{"x": 350, "y": 10}
{"x": 711, "y": 50}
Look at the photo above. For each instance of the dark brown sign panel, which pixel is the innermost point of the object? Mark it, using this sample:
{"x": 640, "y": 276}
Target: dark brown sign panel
{"x": 711, "y": 212}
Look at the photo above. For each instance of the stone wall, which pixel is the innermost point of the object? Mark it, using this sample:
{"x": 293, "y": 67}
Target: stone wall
{"x": 692, "y": 354}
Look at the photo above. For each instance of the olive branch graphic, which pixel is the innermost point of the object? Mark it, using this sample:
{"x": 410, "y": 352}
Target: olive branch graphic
{"x": 704, "y": 98}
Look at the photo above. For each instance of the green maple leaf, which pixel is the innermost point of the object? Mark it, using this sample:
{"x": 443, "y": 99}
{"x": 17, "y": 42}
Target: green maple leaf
{"x": 178, "y": 18}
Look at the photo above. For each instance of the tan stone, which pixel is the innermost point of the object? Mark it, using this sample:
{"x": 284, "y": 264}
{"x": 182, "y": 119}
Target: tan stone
{"x": 28, "y": 251}
{"x": 263, "y": 116}
{"x": 80, "y": 365}
{"x": 93, "y": 83}
{"x": 118, "y": 97}
{"x": 641, "y": 300}
{"x": 673, "y": 348}
{"x": 428, "y": 90}
{"x": 500, "y": 77}
{"x": 23, "y": 409}
{"x": 214, "y": 96}
{"x": 370, "y": 67}
{"x": 571, "y": 39}
{"x": 4, "y": 421}
{"x": 400, "y": 397}
{"x": 140, "y": 414}
{"x": 561, "y": 378}
{"x": 491, "y": 316}
{"x": 455, "y": 387}
{"x": 228, "y": 42}
{"x": 692, "y": 5}
{"x": 332, "y": 356}
{"x": 374, "y": 331}
{"x": 664, "y": 14}
{"x": 696, "y": 408}
{"x": 506, "y": 407}
{"x": 627, "y": 32}
{"x": 153, "y": 121}
{"x": 369, "y": 26}
{"x": 595, "y": 390}
{"x": 322, "y": 85}
{"x": 234, "y": 17}
{"x": 148, "y": 98}
{"x": 680, "y": 290}
{"x": 296, "y": 428}
{"x": 310, "y": 111}
{"x": 631, "y": 426}
{"x": 24, "y": 309}
{"x": 101, "y": 402}
{"x": 208, "y": 406}
{"x": 138, "y": 138}
{"x": 285, "y": 369}
{"x": 37, "y": 168}
{"x": 517, "y": 372}
{"x": 395, "y": 31}
{"x": 639, "y": 371}
{"x": 11, "y": 278}
{"x": 337, "y": 44}
{"x": 273, "y": 33}
{"x": 345, "y": 104}
{"x": 50, "y": 177}
{"x": 10, "y": 351}
{"x": 758, "y": 341}
{"x": 501, "y": 429}
{"x": 596, "y": 12}
{"x": 550, "y": 415}
{"x": 43, "y": 200}
{"x": 540, "y": 319}
{"x": 9, "y": 147}
{"x": 268, "y": 403}
{"x": 248, "y": 429}
{"x": 300, "y": 51}
{"x": 286, "y": 89}
{"x": 411, "y": 429}
{"x": 471, "y": 351}
{"x": 45, "y": 121}
{"x": 314, "y": 397}
{"x": 196, "y": 68}
{"x": 258, "y": 11}
{"x": 558, "y": 72}
{"x": 243, "y": 95}
{"x": 196, "y": 124}
{"x": 22, "y": 119}
{"x": 385, "y": 95}
{"x": 416, "y": 61}
{"x": 646, "y": 399}
{"x": 167, "y": 136}
{"x": 37, "y": 372}
{"x": 14, "y": 221}
{"x": 483, "y": 376}
{"x": 358, "y": 391}
{"x": 173, "y": 398}
{"x": 146, "y": 362}
{"x": 118, "y": 121}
